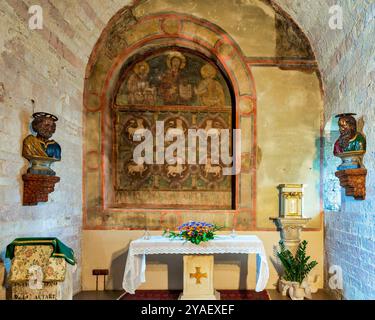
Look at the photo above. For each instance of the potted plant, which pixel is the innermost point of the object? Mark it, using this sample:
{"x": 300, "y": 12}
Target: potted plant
{"x": 296, "y": 269}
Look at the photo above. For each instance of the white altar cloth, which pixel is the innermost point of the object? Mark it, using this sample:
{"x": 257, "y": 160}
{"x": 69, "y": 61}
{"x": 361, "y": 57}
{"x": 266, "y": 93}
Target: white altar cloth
{"x": 135, "y": 267}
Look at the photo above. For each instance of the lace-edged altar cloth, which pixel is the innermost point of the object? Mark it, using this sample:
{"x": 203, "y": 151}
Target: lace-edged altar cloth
{"x": 135, "y": 267}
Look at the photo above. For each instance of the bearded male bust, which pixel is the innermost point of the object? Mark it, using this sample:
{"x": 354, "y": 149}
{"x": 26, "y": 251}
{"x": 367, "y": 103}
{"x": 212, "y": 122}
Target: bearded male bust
{"x": 40, "y": 146}
{"x": 351, "y": 144}
{"x": 39, "y": 149}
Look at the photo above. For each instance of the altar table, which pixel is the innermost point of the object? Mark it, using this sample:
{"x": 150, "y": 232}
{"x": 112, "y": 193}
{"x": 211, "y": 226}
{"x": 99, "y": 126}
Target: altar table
{"x": 135, "y": 267}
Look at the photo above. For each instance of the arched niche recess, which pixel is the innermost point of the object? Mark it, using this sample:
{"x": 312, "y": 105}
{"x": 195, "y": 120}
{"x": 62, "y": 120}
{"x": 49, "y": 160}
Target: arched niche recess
{"x": 165, "y": 90}
{"x": 123, "y": 44}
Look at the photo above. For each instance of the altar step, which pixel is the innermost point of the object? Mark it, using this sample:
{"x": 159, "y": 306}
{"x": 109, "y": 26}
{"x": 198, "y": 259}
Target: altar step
{"x": 98, "y": 295}
{"x": 174, "y": 294}
{"x": 166, "y": 295}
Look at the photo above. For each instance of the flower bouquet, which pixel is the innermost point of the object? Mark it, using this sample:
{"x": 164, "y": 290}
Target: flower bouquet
{"x": 194, "y": 231}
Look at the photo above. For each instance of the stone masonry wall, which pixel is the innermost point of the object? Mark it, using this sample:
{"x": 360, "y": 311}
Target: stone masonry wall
{"x": 346, "y": 59}
{"x": 45, "y": 66}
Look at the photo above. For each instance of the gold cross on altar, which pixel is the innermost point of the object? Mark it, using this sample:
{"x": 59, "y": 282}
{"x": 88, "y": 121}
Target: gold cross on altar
{"x": 198, "y": 275}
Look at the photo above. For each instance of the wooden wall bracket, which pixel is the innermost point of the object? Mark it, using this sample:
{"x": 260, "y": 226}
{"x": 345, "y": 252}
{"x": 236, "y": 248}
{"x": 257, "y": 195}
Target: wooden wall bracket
{"x": 36, "y": 188}
{"x": 354, "y": 182}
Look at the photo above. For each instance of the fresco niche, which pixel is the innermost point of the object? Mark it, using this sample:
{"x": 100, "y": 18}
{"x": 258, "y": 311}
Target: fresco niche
{"x": 174, "y": 78}
{"x": 184, "y": 91}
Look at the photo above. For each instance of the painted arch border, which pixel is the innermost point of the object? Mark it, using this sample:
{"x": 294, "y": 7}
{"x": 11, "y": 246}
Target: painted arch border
{"x": 167, "y": 29}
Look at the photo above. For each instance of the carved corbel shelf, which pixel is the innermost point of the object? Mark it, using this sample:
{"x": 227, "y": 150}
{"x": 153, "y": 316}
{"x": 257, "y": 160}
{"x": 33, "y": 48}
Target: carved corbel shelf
{"x": 37, "y": 187}
{"x": 354, "y": 182}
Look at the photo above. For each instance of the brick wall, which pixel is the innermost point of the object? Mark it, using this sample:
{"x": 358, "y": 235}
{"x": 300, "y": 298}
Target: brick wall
{"x": 48, "y": 67}
{"x": 346, "y": 59}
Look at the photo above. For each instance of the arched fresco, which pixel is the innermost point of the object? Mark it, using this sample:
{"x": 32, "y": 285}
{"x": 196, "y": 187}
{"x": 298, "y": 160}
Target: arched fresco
{"x": 112, "y": 185}
{"x": 122, "y": 195}
{"x": 177, "y": 90}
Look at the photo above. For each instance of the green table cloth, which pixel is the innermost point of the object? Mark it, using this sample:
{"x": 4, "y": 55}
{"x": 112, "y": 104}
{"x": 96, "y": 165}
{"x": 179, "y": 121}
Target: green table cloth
{"x": 60, "y": 250}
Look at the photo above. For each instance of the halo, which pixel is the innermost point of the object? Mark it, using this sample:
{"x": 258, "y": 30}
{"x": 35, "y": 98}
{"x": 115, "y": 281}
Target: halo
{"x": 138, "y": 66}
{"x": 208, "y": 71}
{"x": 44, "y": 115}
{"x": 176, "y": 54}
{"x": 341, "y": 115}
